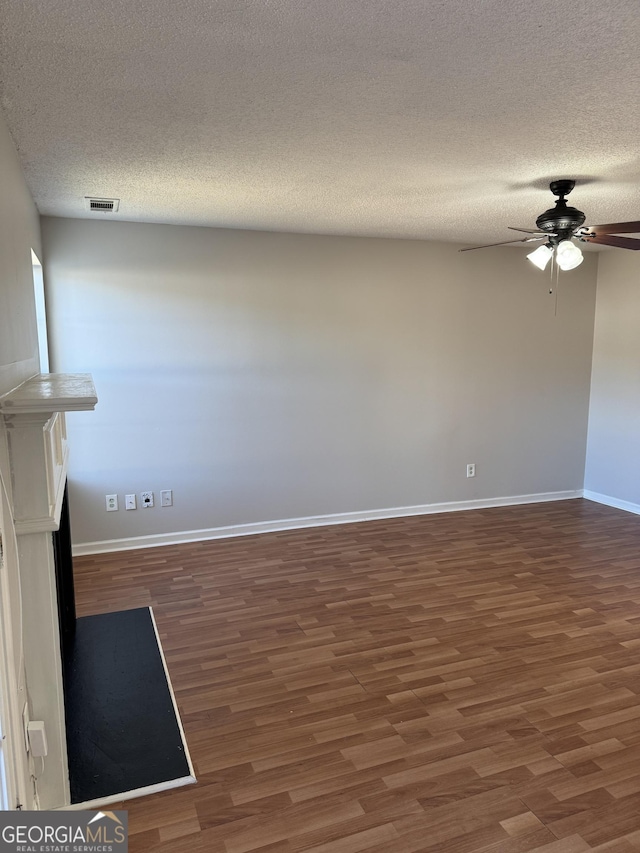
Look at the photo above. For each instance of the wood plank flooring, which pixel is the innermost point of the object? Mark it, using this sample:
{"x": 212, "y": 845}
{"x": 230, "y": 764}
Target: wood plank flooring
{"x": 446, "y": 684}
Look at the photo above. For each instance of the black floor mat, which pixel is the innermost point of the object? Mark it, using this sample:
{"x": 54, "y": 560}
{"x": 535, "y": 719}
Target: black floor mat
{"x": 122, "y": 729}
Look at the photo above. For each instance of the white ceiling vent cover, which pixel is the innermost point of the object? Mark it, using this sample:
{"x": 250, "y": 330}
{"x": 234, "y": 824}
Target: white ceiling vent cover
{"x": 101, "y": 205}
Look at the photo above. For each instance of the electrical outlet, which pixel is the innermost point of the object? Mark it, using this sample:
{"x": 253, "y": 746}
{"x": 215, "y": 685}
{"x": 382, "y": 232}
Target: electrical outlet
{"x": 130, "y": 502}
{"x": 146, "y": 499}
{"x": 471, "y": 469}
{"x": 166, "y": 497}
{"x": 112, "y": 502}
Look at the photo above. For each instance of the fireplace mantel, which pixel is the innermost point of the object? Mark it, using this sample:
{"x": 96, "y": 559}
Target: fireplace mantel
{"x": 34, "y": 417}
{"x": 51, "y": 392}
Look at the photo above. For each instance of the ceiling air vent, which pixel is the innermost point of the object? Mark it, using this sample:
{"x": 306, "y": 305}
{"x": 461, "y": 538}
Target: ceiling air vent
{"x": 102, "y": 205}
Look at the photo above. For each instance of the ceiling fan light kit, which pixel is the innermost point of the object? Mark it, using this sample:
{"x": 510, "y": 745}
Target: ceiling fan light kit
{"x": 561, "y": 225}
{"x": 568, "y": 255}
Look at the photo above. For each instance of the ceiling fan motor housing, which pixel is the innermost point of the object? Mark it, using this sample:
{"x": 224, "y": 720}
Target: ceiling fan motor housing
{"x": 561, "y": 220}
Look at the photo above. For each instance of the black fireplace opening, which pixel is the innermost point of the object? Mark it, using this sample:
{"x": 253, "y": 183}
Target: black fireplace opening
{"x": 63, "y": 562}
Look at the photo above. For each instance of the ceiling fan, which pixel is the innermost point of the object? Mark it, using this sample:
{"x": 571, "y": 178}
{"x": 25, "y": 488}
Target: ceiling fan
{"x": 561, "y": 225}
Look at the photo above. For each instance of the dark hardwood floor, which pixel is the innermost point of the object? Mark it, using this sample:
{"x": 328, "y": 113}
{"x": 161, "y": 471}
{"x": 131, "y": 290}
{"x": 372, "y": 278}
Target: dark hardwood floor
{"x": 450, "y": 683}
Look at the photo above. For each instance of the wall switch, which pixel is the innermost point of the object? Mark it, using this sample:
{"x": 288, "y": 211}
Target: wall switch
{"x": 471, "y": 469}
{"x": 166, "y": 497}
{"x": 37, "y": 739}
{"x": 146, "y": 499}
{"x": 112, "y": 502}
{"x": 130, "y": 502}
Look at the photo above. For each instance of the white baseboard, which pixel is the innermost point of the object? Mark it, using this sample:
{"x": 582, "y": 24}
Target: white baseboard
{"x": 614, "y": 502}
{"x": 253, "y": 528}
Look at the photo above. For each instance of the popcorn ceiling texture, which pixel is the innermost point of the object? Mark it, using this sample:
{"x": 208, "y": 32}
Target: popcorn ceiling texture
{"x": 422, "y": 119}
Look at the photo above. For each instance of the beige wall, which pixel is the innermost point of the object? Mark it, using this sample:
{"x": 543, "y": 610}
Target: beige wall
{"x": 19, "y": 233}
{"x": 613, "y": 458}
{"x": 273, "y": 376}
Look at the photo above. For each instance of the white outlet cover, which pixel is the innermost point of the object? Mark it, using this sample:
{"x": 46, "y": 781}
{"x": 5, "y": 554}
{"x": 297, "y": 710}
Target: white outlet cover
{"x": 38, "y": 738}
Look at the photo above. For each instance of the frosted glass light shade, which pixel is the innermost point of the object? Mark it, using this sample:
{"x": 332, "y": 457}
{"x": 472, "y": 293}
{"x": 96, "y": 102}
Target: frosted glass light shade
{"x": 568, "y": 255}
{"x": 541, "y": 257}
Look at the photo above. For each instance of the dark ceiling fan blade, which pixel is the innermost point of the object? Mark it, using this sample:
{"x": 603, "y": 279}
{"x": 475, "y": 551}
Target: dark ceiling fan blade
{"x": 526, "y": 230}
{"x": 505, "y": 242}
{"x": 617, "y": 228}
{"x": 613, "y": 240}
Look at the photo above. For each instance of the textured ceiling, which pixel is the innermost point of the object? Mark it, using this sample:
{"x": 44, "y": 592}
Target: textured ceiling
{"x": 435, "y": 119}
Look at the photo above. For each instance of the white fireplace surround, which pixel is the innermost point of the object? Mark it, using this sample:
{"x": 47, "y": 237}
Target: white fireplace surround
{"x": 33, "y": 415}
